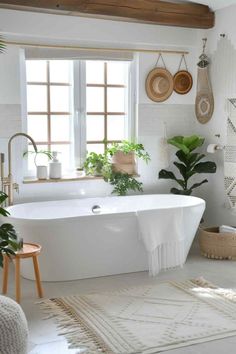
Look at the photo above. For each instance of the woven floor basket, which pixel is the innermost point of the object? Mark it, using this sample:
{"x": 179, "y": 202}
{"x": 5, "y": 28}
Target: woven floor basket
{"x": 216, "y": 245}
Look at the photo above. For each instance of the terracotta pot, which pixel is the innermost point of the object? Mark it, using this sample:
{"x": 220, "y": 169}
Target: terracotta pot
{"x": 124, "y": 163}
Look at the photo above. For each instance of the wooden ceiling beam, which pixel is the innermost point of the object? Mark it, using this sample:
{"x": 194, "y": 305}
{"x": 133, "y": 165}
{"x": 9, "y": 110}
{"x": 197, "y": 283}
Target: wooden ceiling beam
{"x": 170, "y": 13}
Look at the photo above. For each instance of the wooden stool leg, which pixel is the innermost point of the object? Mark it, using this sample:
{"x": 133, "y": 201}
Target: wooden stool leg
{"x": 17, "y": 279}
{"x": 5, "y": 273}
{"x": 37, "y": 276}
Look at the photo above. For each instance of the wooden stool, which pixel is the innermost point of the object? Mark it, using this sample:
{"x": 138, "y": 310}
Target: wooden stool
{"x": 29, "y": 250}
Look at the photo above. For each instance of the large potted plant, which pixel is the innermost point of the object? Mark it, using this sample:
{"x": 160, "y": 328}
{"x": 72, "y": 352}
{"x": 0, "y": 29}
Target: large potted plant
{"x": 188, "y": 164}
{"x": 8, "y": 237}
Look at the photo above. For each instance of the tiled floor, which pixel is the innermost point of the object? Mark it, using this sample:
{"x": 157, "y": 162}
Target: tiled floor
{"x": 43, "y": 335}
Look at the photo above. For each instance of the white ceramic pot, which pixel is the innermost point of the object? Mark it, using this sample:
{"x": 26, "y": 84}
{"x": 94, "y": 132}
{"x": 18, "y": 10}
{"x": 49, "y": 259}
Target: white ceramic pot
{"x": 42, "y": 172}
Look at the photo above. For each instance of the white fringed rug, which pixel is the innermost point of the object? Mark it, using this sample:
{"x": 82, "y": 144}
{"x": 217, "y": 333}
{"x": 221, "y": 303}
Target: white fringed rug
{"x": 148, "y": 319}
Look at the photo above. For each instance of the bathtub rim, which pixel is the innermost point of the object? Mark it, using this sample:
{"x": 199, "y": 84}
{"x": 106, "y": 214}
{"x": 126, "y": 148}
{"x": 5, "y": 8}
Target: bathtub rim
{"x": 201, "y": 201}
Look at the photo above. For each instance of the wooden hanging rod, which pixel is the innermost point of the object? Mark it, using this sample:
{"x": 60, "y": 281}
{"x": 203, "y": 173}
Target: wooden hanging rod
{"x": 69, "y": 47}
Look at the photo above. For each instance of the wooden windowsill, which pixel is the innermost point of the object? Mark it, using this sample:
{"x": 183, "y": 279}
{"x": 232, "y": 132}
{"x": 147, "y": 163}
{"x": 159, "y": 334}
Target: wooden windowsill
{"x": 79, "y": 176}
{"x": 67, "y": 178}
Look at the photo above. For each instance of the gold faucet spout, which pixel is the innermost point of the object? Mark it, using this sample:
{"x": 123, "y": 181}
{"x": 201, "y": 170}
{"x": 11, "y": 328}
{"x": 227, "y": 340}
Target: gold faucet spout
{"x": 10, "y": 183}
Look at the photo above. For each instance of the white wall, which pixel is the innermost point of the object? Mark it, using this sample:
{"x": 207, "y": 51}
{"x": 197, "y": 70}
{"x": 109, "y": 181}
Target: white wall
{"x": 177, "y": 112}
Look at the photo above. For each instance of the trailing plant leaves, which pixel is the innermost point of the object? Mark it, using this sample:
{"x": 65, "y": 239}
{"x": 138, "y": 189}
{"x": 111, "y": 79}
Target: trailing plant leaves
{"x": 123, "y": 182}
{"x": 205, "y": 167}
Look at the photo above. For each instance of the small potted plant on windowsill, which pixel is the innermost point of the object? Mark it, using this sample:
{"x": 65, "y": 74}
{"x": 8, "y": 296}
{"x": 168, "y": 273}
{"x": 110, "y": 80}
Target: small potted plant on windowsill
{"x": 124, "y": 155}
{"x": 41, "y": 170}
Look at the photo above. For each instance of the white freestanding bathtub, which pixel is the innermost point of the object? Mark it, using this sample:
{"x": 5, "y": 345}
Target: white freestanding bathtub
{"x": 77, "y": 244}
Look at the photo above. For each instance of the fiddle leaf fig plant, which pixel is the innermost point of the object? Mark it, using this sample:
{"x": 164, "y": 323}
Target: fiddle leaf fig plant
{"x": 8, "y": 237}
{"x": 188, "y": 165}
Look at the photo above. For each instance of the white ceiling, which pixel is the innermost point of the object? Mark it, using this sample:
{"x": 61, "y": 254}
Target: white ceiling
{"x": 215, "y": 4}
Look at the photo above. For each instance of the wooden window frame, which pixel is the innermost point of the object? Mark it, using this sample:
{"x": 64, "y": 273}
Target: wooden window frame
{"x": 105, "y": 142}
{"x": 49, "y": 142}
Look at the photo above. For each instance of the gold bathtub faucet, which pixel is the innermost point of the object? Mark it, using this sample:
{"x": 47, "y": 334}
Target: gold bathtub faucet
{"x": 8, "y": 186}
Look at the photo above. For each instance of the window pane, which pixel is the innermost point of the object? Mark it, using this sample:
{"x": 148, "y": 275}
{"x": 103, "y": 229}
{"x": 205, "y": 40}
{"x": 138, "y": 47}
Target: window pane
{"x": 64, "y": 155}
{"x": 60, "y": 71}
{"x": 95, "y": 127}
{"x": 41, "y": 159}
{"x": 115, "y": 99}
{"x": 60, "y": 98}
{"x": 60, "y": 128}
{"x": 38, "y": 127}
{"x": 95, "y": 72}
{"x": 115, "y": 128}
{"x": 98, "y": 148}
{"x": 116, "y": 73}
{"x": 36, "y": 70}
{"x": 95, "y": 99}
{"x": 36, "y": 98}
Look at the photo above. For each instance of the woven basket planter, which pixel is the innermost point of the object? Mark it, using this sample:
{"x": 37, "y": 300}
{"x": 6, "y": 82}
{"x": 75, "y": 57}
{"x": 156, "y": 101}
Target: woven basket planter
{"x": 124, "y": 163}
{"x": 217, "y": 245}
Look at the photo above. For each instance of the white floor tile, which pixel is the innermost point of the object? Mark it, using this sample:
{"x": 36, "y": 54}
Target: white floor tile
{"x": 43, "y": 334}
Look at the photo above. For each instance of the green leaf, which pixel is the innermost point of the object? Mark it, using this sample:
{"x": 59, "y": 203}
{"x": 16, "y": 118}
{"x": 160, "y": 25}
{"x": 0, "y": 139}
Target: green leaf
{"x": 182, "y": 156}
{"x": 180, "y": 191}
{"x": 181, "y": 168}
{"x": 195, "y": 157}
{"x": 205, "y": 167}
{"x": 4, "y": 212}
{"x": 177, "y": 141}
{"x": 193, "y": 141}
{"x": 164, "y": 174}
{"x": 196, "y": 185}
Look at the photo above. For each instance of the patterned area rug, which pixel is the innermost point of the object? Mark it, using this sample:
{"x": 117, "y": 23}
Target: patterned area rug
{"x": 146, "y": 320}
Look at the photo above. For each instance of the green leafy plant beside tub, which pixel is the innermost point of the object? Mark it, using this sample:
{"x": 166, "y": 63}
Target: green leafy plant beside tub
{"x": 8, "y": 237}
{"x": 188, "y": 165}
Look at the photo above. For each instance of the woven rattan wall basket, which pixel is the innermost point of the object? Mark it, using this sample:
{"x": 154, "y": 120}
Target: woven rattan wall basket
{"x": 217, "y": 245}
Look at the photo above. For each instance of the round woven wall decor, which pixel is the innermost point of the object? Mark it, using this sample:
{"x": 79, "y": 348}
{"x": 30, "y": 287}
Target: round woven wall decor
{"x": 159, "y": 84}
{"x": 183, "y": 82}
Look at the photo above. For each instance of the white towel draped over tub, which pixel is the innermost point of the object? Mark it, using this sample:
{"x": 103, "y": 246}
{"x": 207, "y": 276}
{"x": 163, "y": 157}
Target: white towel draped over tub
{"x": 161, "y": 231}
